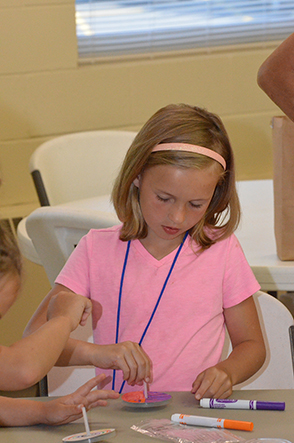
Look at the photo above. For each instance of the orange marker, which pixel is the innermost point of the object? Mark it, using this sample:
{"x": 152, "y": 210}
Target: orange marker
{"x": 196, "y": 420}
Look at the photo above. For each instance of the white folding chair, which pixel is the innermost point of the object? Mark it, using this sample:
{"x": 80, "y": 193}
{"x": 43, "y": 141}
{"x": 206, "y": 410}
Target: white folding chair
{"x": 78, "y": 165}
{"x": 277, "y": 325}
{"x": 55, "y": 231}
{"x": 73, "y": 167}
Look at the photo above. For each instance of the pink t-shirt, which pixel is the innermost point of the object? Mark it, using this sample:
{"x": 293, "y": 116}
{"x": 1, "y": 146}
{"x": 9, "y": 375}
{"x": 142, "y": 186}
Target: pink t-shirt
{"x": 187, "y": 332}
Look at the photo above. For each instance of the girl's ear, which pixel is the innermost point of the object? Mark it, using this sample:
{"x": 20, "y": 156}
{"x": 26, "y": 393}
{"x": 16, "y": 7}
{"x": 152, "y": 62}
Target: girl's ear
{"x": 137, "y": 181}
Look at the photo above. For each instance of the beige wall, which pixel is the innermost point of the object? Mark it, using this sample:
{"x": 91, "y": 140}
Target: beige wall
{"x": 44, "y": 92}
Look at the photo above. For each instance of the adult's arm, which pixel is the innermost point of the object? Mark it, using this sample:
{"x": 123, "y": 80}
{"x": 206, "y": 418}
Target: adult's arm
{"x": 276, "y": 76}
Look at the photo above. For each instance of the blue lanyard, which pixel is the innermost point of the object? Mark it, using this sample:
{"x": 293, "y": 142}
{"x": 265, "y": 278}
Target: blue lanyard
{"x": 155, "y": 307}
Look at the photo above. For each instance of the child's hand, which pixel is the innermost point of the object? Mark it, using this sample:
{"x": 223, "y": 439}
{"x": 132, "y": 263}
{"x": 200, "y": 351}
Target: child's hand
{"x": 127, "y": 356}
{"x": 73, "y": 306}
{"x": 69, "y": 408}
{"x": 214, "y": 382}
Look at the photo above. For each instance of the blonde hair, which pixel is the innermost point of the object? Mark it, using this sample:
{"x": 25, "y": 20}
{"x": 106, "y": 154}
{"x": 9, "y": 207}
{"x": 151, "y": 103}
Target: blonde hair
{"x": 10, "y": 258}
{"x": 179, "y": 124}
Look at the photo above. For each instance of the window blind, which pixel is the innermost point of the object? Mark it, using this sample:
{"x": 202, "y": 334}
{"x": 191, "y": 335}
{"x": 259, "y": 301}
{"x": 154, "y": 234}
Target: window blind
{"x": 118, "y": 27}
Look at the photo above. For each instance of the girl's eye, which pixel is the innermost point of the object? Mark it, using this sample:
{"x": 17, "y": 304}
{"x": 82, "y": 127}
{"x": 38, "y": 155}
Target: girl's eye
{"x": 162, "y": 199}
{"x": 196, "y": 205}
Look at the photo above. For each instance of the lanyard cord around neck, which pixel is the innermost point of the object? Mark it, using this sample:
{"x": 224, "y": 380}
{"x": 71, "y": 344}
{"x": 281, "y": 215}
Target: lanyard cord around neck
{"x": 156, "y": 305}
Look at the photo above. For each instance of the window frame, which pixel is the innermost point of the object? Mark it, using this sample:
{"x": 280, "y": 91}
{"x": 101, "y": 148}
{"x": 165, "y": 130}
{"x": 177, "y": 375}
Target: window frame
{"x": 266, "y": 34}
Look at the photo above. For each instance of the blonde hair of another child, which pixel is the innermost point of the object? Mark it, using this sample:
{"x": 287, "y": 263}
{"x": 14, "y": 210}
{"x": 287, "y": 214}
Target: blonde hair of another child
{"x": 179, "y": 124}
{"x": 10, "y": 258}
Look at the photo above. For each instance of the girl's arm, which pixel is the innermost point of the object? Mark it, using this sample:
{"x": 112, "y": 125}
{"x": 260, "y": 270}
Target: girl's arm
{"x": 247, "y": 357}
{"x": 25, "y": 362}
{"x": 22, "y": 412}
{"x": 127, "y": 356}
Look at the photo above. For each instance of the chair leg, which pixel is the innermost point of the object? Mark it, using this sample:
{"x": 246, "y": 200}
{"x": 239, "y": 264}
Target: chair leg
{"x": 291, "y": 332}
{"x": 43, "y": 387}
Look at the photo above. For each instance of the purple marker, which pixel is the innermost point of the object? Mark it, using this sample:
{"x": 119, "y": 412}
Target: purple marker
{"x": 241, "y": 404}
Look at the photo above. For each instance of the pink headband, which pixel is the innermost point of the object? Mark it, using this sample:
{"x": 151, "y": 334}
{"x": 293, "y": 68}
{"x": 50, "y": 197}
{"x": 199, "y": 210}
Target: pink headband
{"x": 191, "y": 148}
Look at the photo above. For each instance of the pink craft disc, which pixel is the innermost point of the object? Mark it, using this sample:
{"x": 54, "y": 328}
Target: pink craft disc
{"x": 138, "y": 399}
{"x": 84, "y": 437}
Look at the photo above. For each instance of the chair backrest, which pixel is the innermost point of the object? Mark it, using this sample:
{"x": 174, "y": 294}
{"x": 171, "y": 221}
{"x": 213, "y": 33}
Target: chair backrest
{"x": 277, "y": 326}
{"x": 78, "y": 165}
{"x": 56, "y": 230}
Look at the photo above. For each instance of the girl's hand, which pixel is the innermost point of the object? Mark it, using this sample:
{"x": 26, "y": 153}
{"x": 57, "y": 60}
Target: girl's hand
{"x": 70, "y": 305}
{"x": 247, "y": 340}
{"x": 127, "y": 356}
{"x": 214, "y": 382}
{"x": 69, "y": 408}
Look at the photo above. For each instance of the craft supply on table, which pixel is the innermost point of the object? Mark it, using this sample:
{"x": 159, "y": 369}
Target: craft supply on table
{"x": 145, "y": 389}
{"x": 90, "y": 436}
{"x": 86, "y": 423}
{"x": 138, "y": 399}
{"x": 94, "y": 436}
{"x": 241, "y": 404}
{"x": 221, "y": 423}
{"x": 164, "y": 429}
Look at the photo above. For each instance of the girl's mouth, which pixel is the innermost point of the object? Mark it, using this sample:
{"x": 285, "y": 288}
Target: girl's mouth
{"x": 170, "y": 231}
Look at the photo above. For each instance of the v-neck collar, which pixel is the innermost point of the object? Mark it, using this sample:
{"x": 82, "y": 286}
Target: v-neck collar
{"x": 138, "y": 246}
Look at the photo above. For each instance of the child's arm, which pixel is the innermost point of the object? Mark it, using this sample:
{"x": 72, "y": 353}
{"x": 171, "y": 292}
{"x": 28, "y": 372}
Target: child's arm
{"x": 247, "y": 357}
{"x": 22, "y": 412}
{"x": 27, "y": 361}
{"x": 127, "y": 356}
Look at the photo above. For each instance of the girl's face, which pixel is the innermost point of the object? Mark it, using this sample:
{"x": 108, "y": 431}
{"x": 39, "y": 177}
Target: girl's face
{"x": 173, "y": 200}
{"x": 9, "y": 288}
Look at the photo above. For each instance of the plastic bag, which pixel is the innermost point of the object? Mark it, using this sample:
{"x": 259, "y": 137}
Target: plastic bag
{"x": 164, "y": 429}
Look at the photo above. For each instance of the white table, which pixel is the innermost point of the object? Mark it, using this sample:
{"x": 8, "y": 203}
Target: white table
{"x": 270, "y": 424}
{"x": 255, "y": 233}
{"x": 257, "y": 238}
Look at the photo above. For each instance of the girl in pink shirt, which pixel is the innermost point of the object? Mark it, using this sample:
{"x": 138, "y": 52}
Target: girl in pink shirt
{"x": 166, "y": 282}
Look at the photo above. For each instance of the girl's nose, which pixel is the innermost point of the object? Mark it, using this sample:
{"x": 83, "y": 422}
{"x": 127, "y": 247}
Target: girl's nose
{"x": 177, "y": 214}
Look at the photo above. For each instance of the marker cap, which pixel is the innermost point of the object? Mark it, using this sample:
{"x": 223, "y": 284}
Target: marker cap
{"x": 270, "y": 405}
{"x": 204, "y": 402}
{"x": 236, "y": 424}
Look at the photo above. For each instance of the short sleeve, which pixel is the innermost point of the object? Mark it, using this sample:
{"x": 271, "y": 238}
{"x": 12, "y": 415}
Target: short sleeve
{"x": 239, "y": 280}
{"x": 75, "y": 273}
